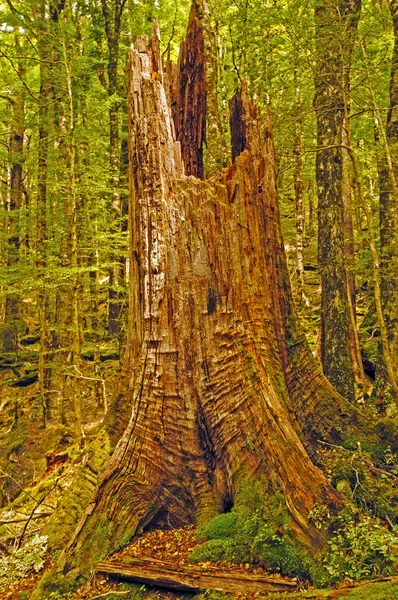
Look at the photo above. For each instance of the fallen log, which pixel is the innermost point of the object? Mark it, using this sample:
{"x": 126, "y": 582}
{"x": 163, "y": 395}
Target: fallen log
{"x": 192, "y": 579}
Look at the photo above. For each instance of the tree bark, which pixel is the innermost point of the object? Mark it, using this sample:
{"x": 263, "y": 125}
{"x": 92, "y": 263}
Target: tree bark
{"x": 45, "y": 96}
{"x": 389, "y": 210}
{"x": 112, "y": 14}
{"x": 12, "y": 308}
{"x": 221, "y": 380}
{"x": 190, "y": 110}
{"x": 335, "y": 22}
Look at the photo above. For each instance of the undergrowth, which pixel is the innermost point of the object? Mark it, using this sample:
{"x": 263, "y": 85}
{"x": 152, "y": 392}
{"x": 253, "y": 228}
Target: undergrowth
{"x": 21, "y": 562}
{"x": 360, "y": 546}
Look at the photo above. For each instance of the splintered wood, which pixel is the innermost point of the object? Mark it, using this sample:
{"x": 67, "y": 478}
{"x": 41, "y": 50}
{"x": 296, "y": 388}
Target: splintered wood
{"x": 192, "y": 579}
{"x": 219, "y": 377}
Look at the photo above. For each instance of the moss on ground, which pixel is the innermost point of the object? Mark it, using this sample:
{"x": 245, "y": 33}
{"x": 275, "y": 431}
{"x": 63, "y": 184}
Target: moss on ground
{"x": 372, "y": 591}
{"x": 255, "y": 531}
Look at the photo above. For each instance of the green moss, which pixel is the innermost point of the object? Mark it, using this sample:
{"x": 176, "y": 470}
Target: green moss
{"x": 17, "y": 438}
{"x": 249, "y": 500}
{"x": 124, "y": 540}
{"x": 210, "y": 551}
{"x": 57, "y": 585}
{"x": 374, "y": 591}
{"x": 281, "y": 557}
{"x": 136, "y": 592}
{"x": 74, "y": 500}
{"x": 220, "y": 527}
{"x": 256, "y": 530}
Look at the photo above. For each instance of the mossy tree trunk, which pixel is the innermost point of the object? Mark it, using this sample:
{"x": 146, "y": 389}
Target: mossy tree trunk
{"x": 12, "y": 315}
{"x": 335, "y": 22}
{"x": 220, "y": 379}
{"x": 45, "y": 99}
{"x": 112, "y": 14}
{"x": 389, "y": 211}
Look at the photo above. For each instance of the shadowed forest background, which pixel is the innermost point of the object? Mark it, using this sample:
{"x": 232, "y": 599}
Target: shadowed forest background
{"x": 148, "y": 302}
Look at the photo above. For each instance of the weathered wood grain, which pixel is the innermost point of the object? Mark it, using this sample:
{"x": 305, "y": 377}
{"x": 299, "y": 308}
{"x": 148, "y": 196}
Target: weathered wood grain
{"x": 219, "y": 376}
{"x": 191, "y": 579}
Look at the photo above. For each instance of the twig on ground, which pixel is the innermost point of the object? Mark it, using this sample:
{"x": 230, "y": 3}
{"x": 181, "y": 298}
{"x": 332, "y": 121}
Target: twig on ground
{"x": 108, "y": 593}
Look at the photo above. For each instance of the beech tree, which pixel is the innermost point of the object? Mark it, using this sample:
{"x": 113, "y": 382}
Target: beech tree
{"x": 222, "y": 386}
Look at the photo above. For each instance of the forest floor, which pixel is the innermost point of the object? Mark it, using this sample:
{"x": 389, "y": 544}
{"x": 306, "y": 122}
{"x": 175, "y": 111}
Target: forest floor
{"x": 176, "y": 545}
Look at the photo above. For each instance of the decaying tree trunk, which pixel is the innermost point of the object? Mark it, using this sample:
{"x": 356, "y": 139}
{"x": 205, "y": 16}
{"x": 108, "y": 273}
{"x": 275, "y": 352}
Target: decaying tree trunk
{"x": 193, "y": 579}
{"x": 190, "y": 101}
{"x": 221, "y": 380}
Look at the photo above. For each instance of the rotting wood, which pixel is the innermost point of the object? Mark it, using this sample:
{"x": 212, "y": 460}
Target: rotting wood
{"x": 193, "y": 579}
{"x": 190, "y": 98}
{"x": 237, "y": 122}
{"x": 220, "y": 377}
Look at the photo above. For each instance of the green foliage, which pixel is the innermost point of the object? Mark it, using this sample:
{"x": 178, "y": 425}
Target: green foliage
{"x": 371, "y": 490}
{"x": 319, "y": 515}
{"x": 361, "y": 549}
{"x": 22, "y": 562}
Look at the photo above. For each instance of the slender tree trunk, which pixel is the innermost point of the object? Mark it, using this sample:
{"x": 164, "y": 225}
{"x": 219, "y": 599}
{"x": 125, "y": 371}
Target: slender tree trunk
{"x": 335, "y": 23}
{"x": 112, "y": 13}
{"x": 385, "y": 290}
{"x": 298, "y": 191}
{"x": 389, "y": 210}
{"x": 220, "y": 378}
{"x": 45, "y": 96}
{"x": 348, "y": 156}
{"x": 12, "y": 315}
{"x": 74, "y": 349}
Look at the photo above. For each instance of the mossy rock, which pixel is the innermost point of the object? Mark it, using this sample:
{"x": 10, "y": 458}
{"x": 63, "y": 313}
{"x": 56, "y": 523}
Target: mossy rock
{"x": 74, "y": 501}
